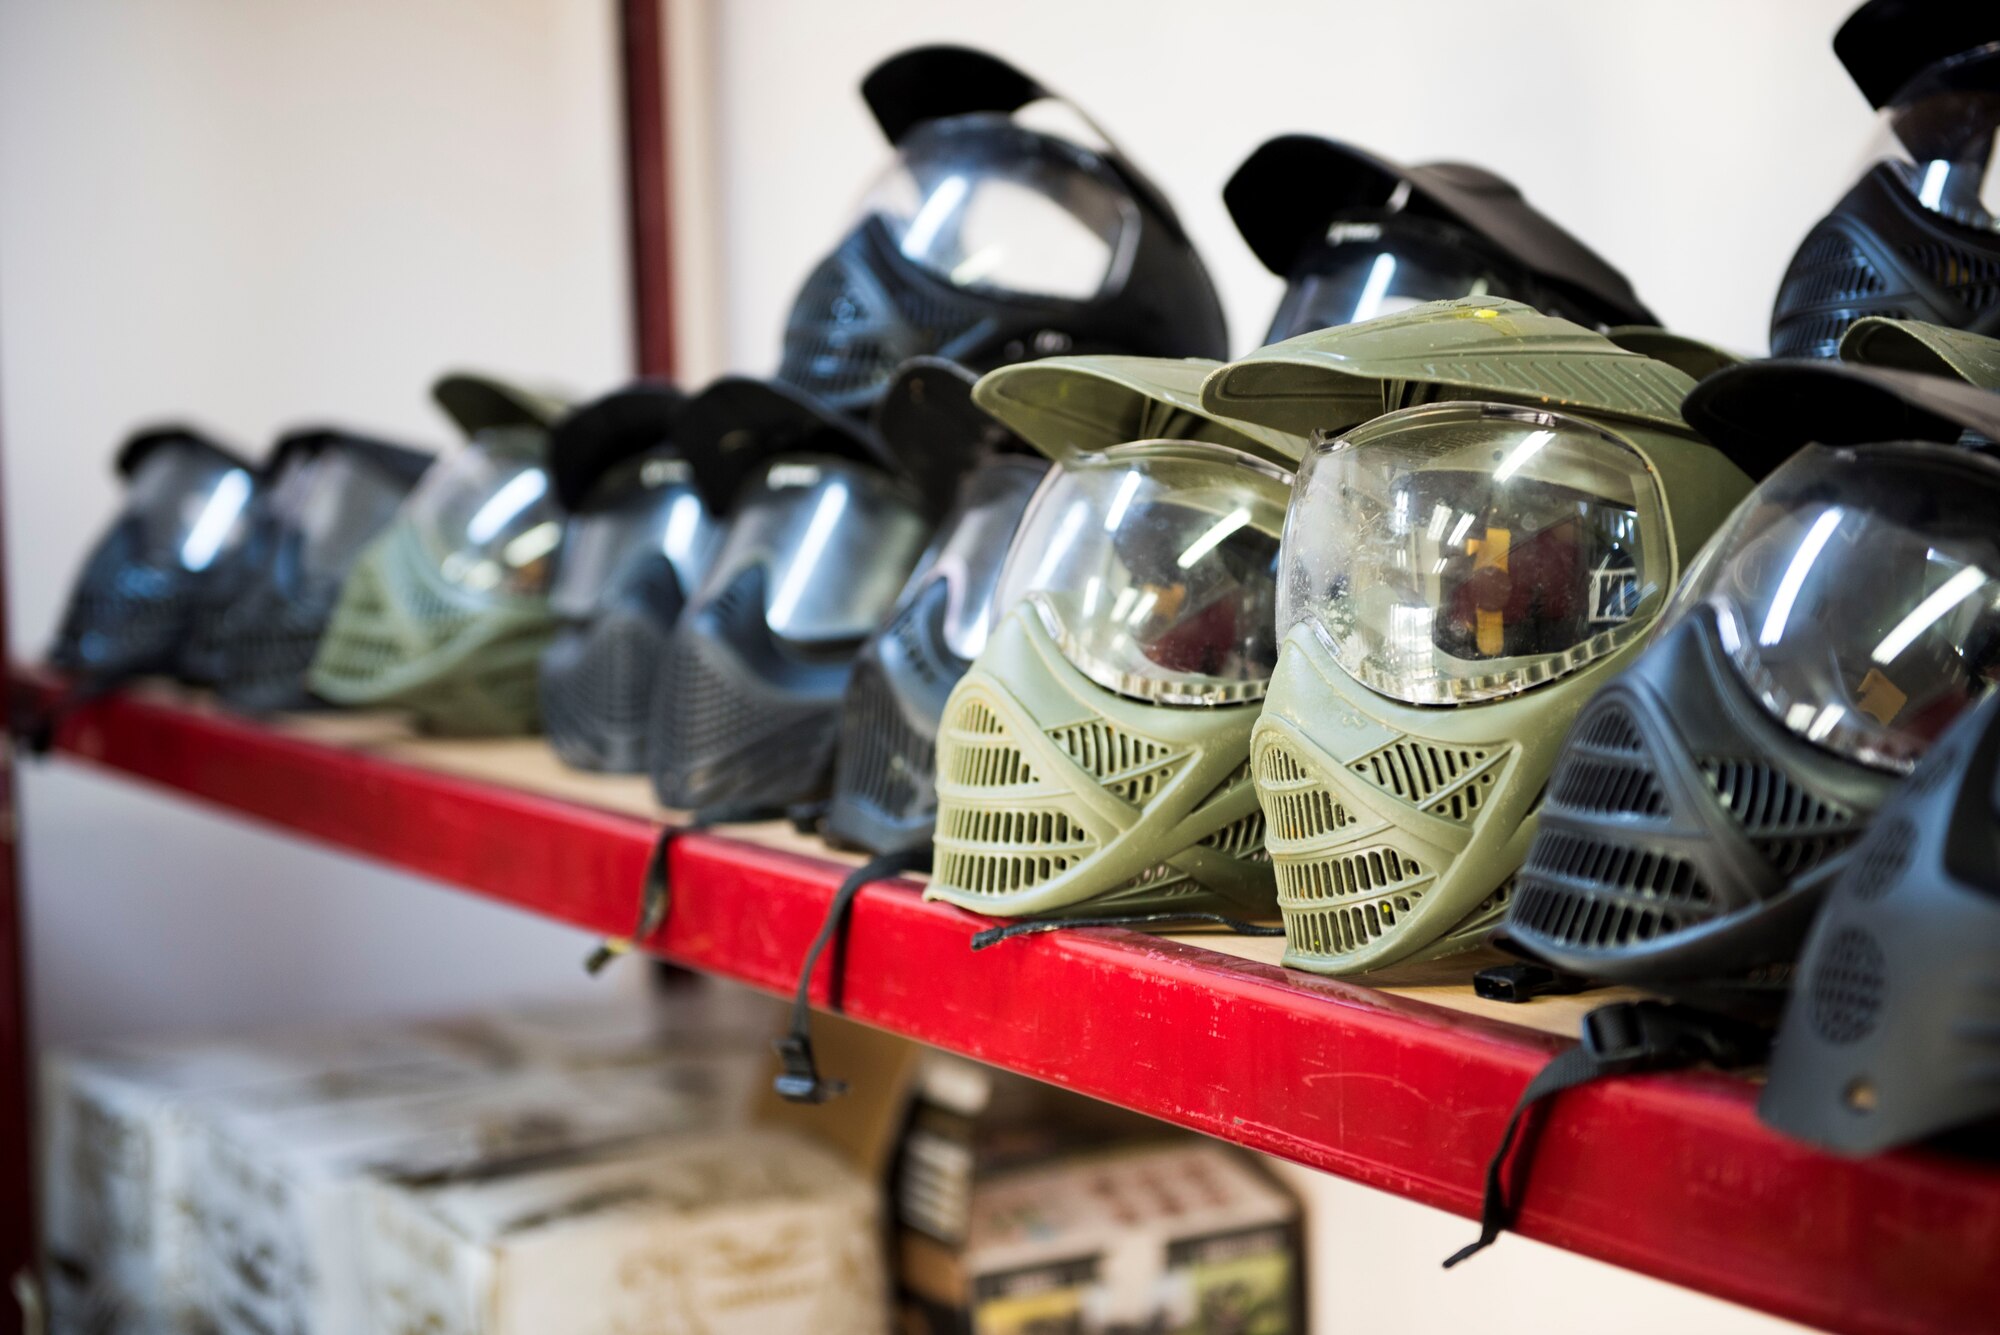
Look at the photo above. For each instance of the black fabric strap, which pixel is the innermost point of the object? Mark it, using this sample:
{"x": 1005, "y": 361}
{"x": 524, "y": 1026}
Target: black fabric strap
{"x": 799, "y": 1079}
{"x": 993, "y": 936}
{"x": 1623, "y": 1038}
{"x": 655, "y": 897}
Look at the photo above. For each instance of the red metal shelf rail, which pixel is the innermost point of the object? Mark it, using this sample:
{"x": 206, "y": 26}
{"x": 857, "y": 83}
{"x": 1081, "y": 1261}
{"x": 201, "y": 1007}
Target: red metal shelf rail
{"x": 1669, "y": 1175}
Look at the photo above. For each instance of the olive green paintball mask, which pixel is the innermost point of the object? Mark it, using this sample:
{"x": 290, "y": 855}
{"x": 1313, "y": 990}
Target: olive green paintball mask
{"x": 1494, "y": 510}
{"x": 446, "y": 614}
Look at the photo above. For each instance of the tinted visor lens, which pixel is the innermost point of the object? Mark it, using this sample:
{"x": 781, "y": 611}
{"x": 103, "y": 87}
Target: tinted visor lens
{"x": 972, "y": 546}
{"x": 663, "y": 519}
{"x": 1370, "y": 269}
{"x": 1948, "y": 120}
{"x": 486, "y": 516}
{"x": 1858, "y": 594}
{"x": 327, "y": 506}
{"x": 1154, "y": 566}
{"x": 988, "y": 205}
{"x": 836, "y": 539}
{"x": 1468, "y": 551}
{"x": 190, "y": 505}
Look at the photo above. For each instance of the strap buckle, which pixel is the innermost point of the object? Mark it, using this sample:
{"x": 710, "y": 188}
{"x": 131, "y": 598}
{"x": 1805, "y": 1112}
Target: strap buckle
{"x": 1516, "y": 983}
{"x": 1628, "y": 1036}
{"x": 799, "y": 1080}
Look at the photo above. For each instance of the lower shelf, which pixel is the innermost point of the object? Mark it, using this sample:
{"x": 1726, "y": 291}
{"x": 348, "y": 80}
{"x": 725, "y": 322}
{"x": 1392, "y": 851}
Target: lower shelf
{"x": 1404, "y": 1088}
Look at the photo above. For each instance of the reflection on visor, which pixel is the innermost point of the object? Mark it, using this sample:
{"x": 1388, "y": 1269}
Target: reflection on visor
{"x": 986, "y": 204}
{"x": 661, "y": 518}
{"x": 189, "y": 506}
{"x": 1858, "y": 594}
{"x": 1154, "y": 568}
{"x": 485, "y": 515}
{"x": 325, "y": 506}
{"x": 1368, "y": 269}
{"x": 1947, "y": 123}
{"x": 1466, "y": 551}
{"x": 971, "y": 546}
{"x": 836, "y": 540}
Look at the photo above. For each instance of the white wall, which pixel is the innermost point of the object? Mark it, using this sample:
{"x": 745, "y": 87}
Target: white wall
{"x": 253, "y": 214}
{"x": 1691, "y": 143}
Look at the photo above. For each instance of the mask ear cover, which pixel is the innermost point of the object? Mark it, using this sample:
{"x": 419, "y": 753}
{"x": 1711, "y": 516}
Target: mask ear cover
{"x": 128, "y": 616}
{"x": 258, "y": 630}
{"x": 1888, "y": 1037}
{"x": 1287, "y": 193}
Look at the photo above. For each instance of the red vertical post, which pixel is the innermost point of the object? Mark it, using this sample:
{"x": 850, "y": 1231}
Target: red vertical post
{"x": 643, "y": 35}
{"x": 17, "y": 1185}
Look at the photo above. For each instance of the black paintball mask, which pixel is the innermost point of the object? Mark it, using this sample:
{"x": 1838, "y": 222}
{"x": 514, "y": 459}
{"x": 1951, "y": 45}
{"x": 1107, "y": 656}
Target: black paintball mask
{"x": 1918, "y": 237}
{"x": 186, "y": 513}
{"x": 1355, "y": 236}
{"x": 885, "y": 771}
{"x": 638, "y": 540}
{"x": 1837, "y": 625}
{"x": 325, "y": 495}
{"x": 824, "y": 525}
{"x": 989, "y": 241}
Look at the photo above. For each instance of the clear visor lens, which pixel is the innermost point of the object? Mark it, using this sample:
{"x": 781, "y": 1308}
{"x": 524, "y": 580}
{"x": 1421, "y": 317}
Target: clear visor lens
{"x": 486, "y": 515}
{"x": 1466, "y": 551}
{"x": 327, "y": 506}
{"x": 836, "y": 540}
{"x": 603, "y": 548}
{"x": 1945, "y": 126}
{"x": 1154, "y": 566}
{"x": 1858, "y": 594}
{"x": 1371, "y": 269}
{"x": 192, "y": 506}
{"x": 988, "y": 205}
{"x": 972, "y": 545}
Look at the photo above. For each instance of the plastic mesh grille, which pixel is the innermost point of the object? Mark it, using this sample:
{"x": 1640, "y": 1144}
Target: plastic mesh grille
{"x": 1881, "y": 859}
{"x": 845, "y": 335}
{"x": 1447, "y": 781}
{"x": 1594, "y": 895}
{"x": 1973, "y": 278}
{"x": 1316, "y": 928}
{"x": 883, "y": 761}
{"x": 1135, "y": 768}
{"x": 1847, "y": 986}
{"x": 1299, "y": 807}
{"x": 1604, "y": 769}
{"x": 1370, "y": 871}
{"x": 703, "y": 713}
{"x": 1793, "y": 830}
{"x": 1240, "y": 838}
{"x": 1828, "y": 270}
{"x": 362, "y": 644}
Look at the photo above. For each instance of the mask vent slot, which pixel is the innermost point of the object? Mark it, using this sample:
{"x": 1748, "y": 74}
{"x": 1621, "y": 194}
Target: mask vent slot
{"x": 1133, "y": 767}
{"x": 1793, "y": 830}
{"x": 1847, "y": 987}
{"x": 1344, "y": 928}
{"x": 1828, "y": 270}
{"x": 1299, "y": 808}
{"x": 1241, "y": 838}
{"x": 1594, "y": 895}
{"x": 1372, "y": 871}
{"x": 1446, "y": 781}
{"x": 1973, "y": 279}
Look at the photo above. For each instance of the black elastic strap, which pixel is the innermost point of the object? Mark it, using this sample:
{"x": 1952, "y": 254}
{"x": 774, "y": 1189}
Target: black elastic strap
{"x": 1623, "y": 1038}
{"x": 655, "y": 897}
{"x": 37, "y": 724}
{"x": 799, "y": 1079}
{"x": 1515, "y": 983}
{"x": 993, "y": 936}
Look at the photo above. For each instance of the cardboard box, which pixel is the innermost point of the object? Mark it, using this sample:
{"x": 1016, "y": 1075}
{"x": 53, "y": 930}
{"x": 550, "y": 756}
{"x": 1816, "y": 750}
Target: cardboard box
{"x": 116, "y": 1121}
{"x": 278, "y": 1192}
{"x": 752, "y": 1232}
{"x": 1023, "y": 1209}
